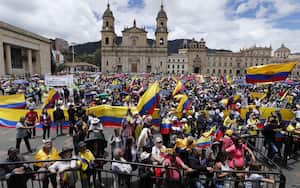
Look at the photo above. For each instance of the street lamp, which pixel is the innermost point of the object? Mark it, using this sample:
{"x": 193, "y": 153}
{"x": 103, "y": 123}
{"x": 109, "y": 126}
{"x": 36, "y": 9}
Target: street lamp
{"x": 73, "y": 43}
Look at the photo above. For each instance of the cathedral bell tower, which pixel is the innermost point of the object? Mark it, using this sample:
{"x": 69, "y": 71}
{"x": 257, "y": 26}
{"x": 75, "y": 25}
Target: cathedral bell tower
{"x": 161, "y": 33}
{"x": 108, "y": 28}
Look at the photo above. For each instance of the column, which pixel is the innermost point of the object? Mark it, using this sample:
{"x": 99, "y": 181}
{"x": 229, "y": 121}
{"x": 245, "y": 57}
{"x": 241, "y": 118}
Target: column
{"x": 8, "y": 59}
{"x": 2, "y": 62}
{"x": 29, "y": 61}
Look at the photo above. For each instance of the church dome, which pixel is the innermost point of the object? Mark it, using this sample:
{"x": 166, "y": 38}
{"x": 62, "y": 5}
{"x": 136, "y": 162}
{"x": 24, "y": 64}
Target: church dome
{"x": 162, "y": 13}
{"x": 283, "y": 48}
{"x": 108, "y": 12}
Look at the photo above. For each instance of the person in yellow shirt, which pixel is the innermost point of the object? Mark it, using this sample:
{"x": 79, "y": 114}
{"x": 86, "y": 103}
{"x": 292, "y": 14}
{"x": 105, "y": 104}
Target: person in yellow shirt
{"x": 86, "y": 161}
{"x": 291, "y": 147}
{"x": 47, "y": 152}
{"x": 230, "y": 122}
{"x": 186, "y": 129}
{"x": 252, "y": 125}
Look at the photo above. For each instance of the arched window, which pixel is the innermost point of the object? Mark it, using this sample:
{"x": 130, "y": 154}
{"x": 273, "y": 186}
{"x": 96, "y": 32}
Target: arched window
{"x": 106, "y": 63}
{"x": 161, "y": 41}
{"x": 106, "y": 40}
{"x": 161, "y": 24}
{"x": 106, "y": 23}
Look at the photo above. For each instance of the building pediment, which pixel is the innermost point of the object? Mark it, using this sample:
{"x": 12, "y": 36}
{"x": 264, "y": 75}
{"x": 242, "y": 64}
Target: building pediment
{"x": 134, "y": 30}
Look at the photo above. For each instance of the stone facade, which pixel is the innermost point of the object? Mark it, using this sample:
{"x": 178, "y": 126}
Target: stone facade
{"x": 135, "y": 53}
{"x": 23, "y": 52}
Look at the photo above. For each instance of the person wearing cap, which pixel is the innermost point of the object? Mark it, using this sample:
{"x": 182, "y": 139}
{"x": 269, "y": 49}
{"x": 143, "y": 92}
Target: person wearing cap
{"x": 22, "y": 132}
{"x": 186, "y": 129}
{"x": 59, "y": 120}
{"x": 47, "y": 152}
{"x": 65, "y": 178}
{"x": 13, "y": 171}
{"x": 31, "y": 119}
{"x": 156, "y": 149}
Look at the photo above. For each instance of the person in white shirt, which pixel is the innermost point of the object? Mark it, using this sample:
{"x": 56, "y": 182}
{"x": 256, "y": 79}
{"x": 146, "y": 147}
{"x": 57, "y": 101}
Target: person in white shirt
{"x": 120, "y": 180}
{"x": 146, "y": 135}
{"x": 65, "y": 177}
{"x": 156, "y": 150}
{"x": 297, "y": 113}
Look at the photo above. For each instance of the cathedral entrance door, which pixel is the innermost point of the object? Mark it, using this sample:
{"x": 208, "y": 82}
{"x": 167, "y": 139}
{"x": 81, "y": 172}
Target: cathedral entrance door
{"x": 196, "y": 70}
{"x": 133, "y": 67}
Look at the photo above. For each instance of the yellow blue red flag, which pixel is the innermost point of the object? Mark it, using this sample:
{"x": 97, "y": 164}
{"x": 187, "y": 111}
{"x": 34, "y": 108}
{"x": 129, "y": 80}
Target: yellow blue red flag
{"x": 269, "y": 72}
{"x": 149, "y": 100}
{"x": 53, "y": 95}
{"x": 179, "y": 87}
{"x": 184, "y": 104}
{"x": 13, "y": 101}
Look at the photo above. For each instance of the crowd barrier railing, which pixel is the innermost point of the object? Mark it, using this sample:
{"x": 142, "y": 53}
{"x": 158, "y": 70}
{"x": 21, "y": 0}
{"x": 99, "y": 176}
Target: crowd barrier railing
{"x": 103, "y": 176}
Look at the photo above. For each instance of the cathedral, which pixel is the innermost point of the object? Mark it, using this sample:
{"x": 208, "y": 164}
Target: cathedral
{"x": 133, "y": 52}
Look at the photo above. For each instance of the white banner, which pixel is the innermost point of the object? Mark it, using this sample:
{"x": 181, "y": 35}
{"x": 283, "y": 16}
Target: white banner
{"x": 64, "y": 80}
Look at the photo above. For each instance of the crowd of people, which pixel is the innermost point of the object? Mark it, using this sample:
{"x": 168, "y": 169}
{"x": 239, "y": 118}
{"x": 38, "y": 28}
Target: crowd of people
{"x": 174, "y": 145}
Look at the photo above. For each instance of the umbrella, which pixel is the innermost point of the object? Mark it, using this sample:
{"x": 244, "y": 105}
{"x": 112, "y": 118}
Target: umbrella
{"x": 20, "y": 82}
{"x": 103, "y": 95}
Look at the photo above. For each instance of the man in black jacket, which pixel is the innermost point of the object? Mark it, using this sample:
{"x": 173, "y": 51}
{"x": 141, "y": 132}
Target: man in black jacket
{"x": 194, "y": 162}
{"x": 59, "y": 119}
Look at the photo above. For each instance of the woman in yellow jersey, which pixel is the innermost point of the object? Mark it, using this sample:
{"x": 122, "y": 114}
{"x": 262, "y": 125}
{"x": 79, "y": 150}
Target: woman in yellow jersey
{"x": 47, "y": 152}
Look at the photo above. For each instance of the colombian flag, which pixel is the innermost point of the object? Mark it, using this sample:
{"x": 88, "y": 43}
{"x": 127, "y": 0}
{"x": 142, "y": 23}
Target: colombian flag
{"x": 269, "y": 72}
{"x": 179, "y": 87}
{"x": 13, "y": 101}
{"x": 184, "y": 104}
{"x": 165, "y": 126}
{"x": 53, "y": 95}
{"x": 149, "y": 100}
{"x": 203, "y": 142}
{"x": 112, "y": 116}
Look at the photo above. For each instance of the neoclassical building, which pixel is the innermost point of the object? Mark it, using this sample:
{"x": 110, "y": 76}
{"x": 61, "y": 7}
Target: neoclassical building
{"x": 133, "y": 52}
{"x": 23, "y": 52}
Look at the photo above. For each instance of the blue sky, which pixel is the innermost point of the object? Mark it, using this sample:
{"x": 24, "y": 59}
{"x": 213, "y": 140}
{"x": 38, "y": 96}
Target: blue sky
{"x": 227, "y": 24}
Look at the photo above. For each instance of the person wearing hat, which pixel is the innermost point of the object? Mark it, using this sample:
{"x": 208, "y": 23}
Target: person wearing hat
{"x": 96, "y": 128}
{"x": 145, "y": 173}
{"x": 31, "y": 119}
{"x": 13, "y": 171}
{"x": 61, "y": 168}
{"x": 144, "y": 141}
{"x": 47, "y": 152}
{"x": 22, "y": 132}
{"x": 156, "y": 154}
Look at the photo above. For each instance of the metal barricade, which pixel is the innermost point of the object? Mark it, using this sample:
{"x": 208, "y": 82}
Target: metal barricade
{"x": 158, "y": 176}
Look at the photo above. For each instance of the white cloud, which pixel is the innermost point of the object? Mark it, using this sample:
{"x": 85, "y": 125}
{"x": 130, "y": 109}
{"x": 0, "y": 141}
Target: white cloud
{"x": 74, "y": 20}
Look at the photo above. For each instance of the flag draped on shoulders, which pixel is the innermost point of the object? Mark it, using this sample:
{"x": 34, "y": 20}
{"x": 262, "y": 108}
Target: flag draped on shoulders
{"x": 53, "y": 95}
{"x": 13, "y": 101}
{"x": 179, "y": 87}
{"x": 149, "y": 100}
{"x": 269, "y": 72}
